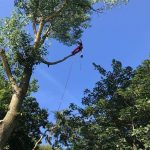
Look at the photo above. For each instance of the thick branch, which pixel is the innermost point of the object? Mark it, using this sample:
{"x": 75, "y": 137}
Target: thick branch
{"x": 56, "y": 62}
{"x": 47, "y": 32}
{"x": 8, "y": 70}
{"x": 38, "y": 39}
{"x": 38, "y": 35}
{"x": 24, "y": 84}
{"x": 34, "y": 27}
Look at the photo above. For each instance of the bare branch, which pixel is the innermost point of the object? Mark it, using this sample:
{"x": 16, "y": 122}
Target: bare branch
{"x": 40, "y": 139}
{"x": 34, "y": 27}
{"x": 36, "y": 144}
{"x": 8, "y": 70}
{"x": 56, "y": 62}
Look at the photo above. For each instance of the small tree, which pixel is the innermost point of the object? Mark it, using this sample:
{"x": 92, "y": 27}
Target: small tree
{"x": 22, "y": 50}
{"x": 115, "y": 114}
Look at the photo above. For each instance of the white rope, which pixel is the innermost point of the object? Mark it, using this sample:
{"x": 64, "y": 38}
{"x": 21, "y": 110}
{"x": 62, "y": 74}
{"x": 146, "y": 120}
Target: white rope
{"x": 65, "y": 88}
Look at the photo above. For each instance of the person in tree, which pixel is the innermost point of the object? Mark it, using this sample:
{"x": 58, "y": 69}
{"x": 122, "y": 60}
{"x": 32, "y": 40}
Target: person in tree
{"x": 78, "y": 49}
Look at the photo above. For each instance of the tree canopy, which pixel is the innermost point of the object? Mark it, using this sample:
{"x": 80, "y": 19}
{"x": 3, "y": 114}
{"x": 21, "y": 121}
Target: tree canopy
{"x": 24, "y": 40}
{"x": 114, "y": 115}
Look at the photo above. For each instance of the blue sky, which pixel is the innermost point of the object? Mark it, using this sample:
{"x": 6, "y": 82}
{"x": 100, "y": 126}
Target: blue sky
{"x": 122, "y": 33}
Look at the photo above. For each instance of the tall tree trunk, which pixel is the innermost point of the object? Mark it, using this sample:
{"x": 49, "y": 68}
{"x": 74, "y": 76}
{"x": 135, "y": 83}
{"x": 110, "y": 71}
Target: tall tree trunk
{"x": 8, "y": 124}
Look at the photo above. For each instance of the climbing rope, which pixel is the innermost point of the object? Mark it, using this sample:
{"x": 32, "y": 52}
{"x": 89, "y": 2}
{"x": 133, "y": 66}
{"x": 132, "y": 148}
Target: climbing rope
{"x": 66, "y": 84}
{"x": 75, "y": 51}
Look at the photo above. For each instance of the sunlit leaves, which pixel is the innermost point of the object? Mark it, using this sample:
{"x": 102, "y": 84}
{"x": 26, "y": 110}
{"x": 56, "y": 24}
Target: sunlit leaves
{"x": 68, "y": 18}
{"x": 115, "y": 114}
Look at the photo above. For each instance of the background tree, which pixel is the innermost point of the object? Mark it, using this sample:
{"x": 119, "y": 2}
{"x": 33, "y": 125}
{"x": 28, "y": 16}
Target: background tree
{"x": 22, "y": 50}
{"x": 30, "y": 120}
{"x": 115, "y": 114}
{"x": 45, "y": 147}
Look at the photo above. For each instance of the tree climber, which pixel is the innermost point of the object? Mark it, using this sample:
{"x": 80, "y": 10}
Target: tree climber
{"x": 75, "y": 51}
{"x": 78, "y": 49}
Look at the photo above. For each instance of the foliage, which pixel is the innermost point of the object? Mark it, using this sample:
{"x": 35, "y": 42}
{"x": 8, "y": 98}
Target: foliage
{"x": 30, "y": 120}
{"x": 45, "y": 147}
{"x": 115, "y": 114}
{"x": 67, "y": 18}
{"x": 24, "y": 38}
{"x": 63, "y": 20}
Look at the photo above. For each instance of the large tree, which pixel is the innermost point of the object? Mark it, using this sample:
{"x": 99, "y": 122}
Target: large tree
{"x": 31, "y": 119}
{"x": 115, "y": 114}
{"x": 23, "y": 49}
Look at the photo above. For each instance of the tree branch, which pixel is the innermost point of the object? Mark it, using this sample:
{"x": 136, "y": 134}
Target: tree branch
{"x": 34, "y": 27}
{"x": 38, "y": 35}
{"x": 41, "y": 25}
{"x": 40, "y": 139}
{"x": 25, "y": 79}
{"x": 8, "y": 70}
{"x": 56, "y": 62}
{"x": 45, "y": 34}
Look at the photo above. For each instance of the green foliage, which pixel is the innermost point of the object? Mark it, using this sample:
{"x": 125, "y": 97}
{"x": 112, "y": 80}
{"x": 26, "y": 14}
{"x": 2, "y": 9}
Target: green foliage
{"x": 115, "y": 114}
{"x": 30, "y": 119}
{"x": 5, "y": 92}
{"x": 23, "y": 48}
{"x": 64, "y": 19}
{"x": 45, "y": 147}
{"x": 67, "y": 19}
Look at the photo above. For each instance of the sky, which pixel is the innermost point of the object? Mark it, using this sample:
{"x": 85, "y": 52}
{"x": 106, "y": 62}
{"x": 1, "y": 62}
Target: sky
{"x": 122, "y": 33}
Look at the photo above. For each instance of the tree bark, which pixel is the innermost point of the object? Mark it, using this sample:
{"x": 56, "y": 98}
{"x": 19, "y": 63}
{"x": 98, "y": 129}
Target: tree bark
{"x": 134, "y": 147}
{"x": 8, "y": 124}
